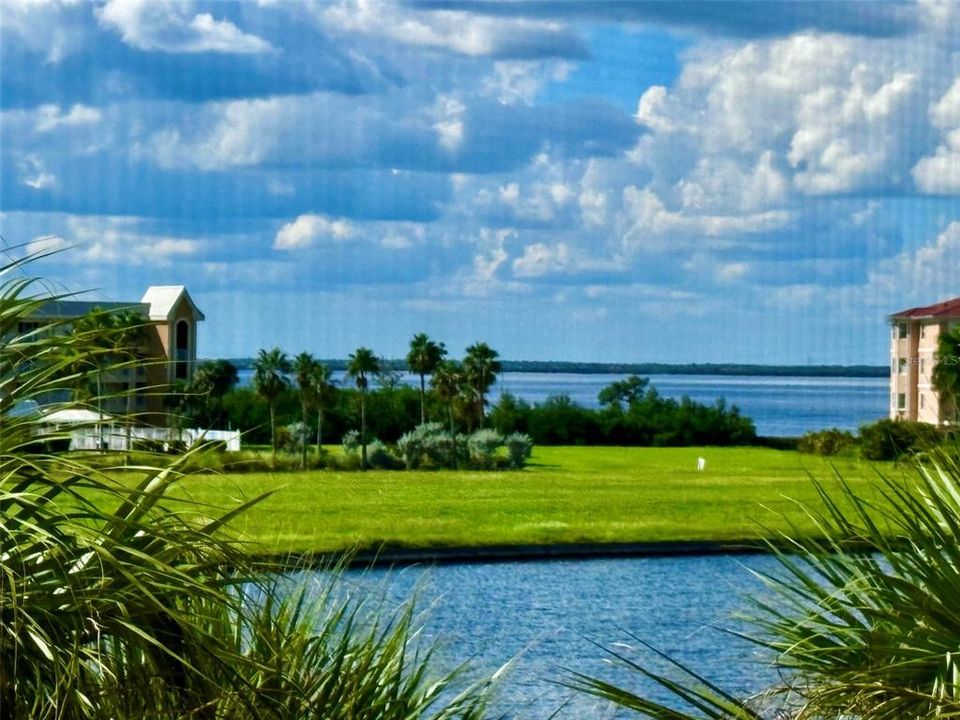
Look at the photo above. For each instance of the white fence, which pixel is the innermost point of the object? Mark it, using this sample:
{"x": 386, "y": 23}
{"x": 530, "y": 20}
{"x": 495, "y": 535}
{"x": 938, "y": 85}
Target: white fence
{"x": 114, "y": 437}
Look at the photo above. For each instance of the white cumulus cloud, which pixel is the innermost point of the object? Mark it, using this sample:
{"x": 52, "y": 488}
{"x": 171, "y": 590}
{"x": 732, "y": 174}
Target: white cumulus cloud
{"x": 307, "y": 230}
{"x": 173, "y": 26}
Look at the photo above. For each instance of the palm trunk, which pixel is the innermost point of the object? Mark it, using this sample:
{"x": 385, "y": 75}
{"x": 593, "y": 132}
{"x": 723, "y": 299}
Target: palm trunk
{"x": 303, "y": 436}
{"x": 273, "y": 432}
{"x": 129, "y": 417}
{"x": 319, "y": 432}
{"x": 453, "y": 436}
{"x": 99, "y": 411}
{"x": 423, "y": 395}
{"x": 363, "y": 430}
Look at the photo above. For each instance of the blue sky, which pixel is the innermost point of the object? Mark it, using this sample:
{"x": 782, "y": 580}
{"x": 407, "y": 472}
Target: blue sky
{"x": 595, "y": 181}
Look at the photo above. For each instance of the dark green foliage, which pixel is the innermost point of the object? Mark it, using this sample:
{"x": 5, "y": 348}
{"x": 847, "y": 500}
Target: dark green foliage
{"x": 560, "y": 421}
{"x": 826, "y": 442}
{"x": 511, "y": 414}
{"x": 892, "y": 439}
{"x": 633, "y": 414}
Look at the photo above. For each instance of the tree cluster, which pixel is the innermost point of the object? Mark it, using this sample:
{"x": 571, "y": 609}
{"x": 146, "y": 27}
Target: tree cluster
{"x": 631, "y": 413}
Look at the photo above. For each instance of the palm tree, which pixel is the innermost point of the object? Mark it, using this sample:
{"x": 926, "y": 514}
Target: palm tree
{"x": 481, "y": 367}
{"x": 92, "y": 335}
{"x": 360, "y": 365}
{"x": 304, "y": 367}
{"x": 424, "y": 357}
{"x": 269, "y": 380}
{"x": 946, "y": 373}
{"x": 321, "y": 388}
{"x": 211, "y": 381}
{"x": 446, "y": 382}
{"x": 127, "y": 332}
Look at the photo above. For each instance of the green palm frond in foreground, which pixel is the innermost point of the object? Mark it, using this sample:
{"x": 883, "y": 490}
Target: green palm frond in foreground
{"x": 113, "y": 605}
{"x": 857, "y": 635}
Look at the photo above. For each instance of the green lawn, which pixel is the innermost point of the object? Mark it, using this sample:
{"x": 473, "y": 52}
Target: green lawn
{"x": 566, "y": 495}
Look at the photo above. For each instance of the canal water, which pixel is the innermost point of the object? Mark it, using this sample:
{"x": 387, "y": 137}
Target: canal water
{"x": 551, "y": 618}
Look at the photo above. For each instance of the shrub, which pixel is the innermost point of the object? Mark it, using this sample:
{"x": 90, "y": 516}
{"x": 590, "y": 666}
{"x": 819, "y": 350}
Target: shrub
{"x": 482, "y": 446}
{"x": 296, "y": 436}
{"x": 892, "y": 439}
{"x": 826, "y": 442}
{"x": 351, "y": 441}
{"x": 427, "y": 444}
{"x": 379, "y": 456}
{"x": 519, "y": 446}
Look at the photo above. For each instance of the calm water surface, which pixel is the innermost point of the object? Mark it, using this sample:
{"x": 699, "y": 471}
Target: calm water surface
{"x": 548, "y": 615}
{"x": 779, "y": 406}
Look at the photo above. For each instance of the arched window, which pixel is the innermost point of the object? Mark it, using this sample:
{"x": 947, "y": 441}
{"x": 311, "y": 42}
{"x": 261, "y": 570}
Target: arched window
{"x": 182, "y": 350}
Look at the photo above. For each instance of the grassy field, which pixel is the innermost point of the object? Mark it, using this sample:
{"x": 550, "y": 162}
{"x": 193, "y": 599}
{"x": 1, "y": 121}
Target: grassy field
{"x": 566, "y": 495}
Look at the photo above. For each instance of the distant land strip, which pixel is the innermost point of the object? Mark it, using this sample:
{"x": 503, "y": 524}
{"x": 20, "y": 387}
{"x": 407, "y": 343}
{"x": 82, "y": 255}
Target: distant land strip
{"x": 584, "y": 368}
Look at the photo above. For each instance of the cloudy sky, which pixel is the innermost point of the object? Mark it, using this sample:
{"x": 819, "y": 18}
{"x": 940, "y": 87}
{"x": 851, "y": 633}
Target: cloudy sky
{"x": 599, "y": 181}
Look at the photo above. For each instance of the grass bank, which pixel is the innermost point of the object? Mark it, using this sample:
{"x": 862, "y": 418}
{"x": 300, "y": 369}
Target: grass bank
{"x": 566, "y": 495}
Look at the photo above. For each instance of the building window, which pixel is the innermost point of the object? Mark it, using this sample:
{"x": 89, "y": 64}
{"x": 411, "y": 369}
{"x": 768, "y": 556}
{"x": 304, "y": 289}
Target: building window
{"x": 181, "y": 351}
{"x": 921, "y": 401}
{"x": 902, "y": 367}
{"x": 901, "y": 330}
{"x": 923, "y": 331}
{"x": 901, "y": 401}
{"x": 922, "y": 366}
{"x": 27, "y": 326}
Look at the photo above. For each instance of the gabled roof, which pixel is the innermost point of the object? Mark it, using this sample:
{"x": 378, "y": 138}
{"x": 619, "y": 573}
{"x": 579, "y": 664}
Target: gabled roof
{"x": 945, "y": 309}
{"x": 163, "y": 299}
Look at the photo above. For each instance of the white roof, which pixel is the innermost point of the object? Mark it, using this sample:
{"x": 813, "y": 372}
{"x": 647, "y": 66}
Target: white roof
{"x": 162, "y": 300}
{"x": 75, "y": 416}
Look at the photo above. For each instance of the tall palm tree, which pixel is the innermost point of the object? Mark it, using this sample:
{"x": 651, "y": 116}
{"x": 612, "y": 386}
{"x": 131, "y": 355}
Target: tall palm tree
{"x": 304, "y": 367}
{"x": 946, "y": 373}
{"x": 270, "y": 371}
{"x": 128, "y": 331}
{"x": 322, "y": 390}
{"x": 360, "y": 365}
{"x": 92, "y": 332}
{"x": 424, "y": 357}
{"x": 211, "y": 381}
{"x": 447, "y": 381}
{"x": 480, "y": 367}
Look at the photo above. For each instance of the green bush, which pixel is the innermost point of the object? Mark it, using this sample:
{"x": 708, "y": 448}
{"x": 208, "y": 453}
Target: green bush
{"x": 892, "y": 439}
{"x": 482, "y": 446}
{"x": 351, "y": 442}
{"x": 380, "y": 457}
{"x": 519, "y": 446}
{"x": 826, "y": 442}
{"x": 428, "y": 444}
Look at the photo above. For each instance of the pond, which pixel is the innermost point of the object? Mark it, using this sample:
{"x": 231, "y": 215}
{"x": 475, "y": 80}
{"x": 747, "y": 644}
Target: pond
{"x": 557, "y": 616}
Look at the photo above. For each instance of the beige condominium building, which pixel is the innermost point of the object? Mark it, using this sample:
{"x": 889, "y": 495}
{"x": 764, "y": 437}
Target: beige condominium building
{"x": 913, "y": 355}
{"x": 168, "y": 344}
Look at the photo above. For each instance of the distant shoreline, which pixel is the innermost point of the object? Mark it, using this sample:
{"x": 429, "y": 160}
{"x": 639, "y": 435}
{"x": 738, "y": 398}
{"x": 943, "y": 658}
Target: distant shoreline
{"x": 584, "y": 368}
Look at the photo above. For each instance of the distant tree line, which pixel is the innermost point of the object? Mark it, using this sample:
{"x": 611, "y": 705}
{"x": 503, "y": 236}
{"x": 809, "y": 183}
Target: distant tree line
{"x": 631, "y": 412}
{"x": 453, "y": 393}
{"x": 593, "y": 368}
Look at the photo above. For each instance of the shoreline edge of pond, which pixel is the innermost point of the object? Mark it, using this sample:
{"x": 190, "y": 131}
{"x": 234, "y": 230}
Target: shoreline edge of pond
{"x": 464, "y": 555}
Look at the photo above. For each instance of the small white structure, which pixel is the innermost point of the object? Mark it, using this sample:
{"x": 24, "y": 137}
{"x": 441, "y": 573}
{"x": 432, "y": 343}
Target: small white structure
{"x": 701, "y": 464}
